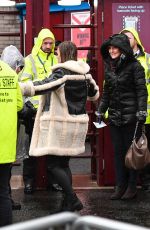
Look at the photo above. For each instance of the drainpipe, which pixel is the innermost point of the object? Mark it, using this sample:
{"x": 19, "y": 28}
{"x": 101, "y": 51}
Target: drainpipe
{"x": 37, "y": 17}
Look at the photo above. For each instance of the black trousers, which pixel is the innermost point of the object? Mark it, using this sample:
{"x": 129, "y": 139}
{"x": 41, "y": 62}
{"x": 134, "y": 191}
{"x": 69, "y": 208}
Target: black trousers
{"x": 59, "y": 168}
{"x": 122, "y": 138}
{"x": 30, "y": 163}
{"x": 5, "y": 200}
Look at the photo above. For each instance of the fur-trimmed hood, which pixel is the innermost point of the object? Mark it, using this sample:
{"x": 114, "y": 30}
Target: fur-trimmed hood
{"x": 75, "y": 66}
{"x": 118, "y": 40}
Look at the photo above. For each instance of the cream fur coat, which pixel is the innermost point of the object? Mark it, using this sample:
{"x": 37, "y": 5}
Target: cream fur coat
{"x": 56, "y": 132}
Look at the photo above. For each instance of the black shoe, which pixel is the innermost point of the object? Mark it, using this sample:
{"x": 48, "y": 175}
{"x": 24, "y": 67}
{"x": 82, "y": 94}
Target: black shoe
{"x": 72, "y": 203}
{"x": 129, "y": 194}
{"x": 15, "y": 205}
{"x": 119, "y": 191}
{"x": 28, "y": 189}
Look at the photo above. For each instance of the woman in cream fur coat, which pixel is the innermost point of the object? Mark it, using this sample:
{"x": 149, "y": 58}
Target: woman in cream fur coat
{"x": 61, "y": 122}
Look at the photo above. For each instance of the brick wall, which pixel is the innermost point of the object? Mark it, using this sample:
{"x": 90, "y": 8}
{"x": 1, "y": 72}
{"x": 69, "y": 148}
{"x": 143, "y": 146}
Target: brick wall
{"x": 9, "y": 28}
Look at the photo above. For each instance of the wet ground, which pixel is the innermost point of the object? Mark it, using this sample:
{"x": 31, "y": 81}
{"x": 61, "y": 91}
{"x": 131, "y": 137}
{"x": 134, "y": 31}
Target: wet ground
{"x": 96, "y": 202}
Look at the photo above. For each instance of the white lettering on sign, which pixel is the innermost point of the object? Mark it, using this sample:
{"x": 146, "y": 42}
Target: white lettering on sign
{"x": 131, "y": 9}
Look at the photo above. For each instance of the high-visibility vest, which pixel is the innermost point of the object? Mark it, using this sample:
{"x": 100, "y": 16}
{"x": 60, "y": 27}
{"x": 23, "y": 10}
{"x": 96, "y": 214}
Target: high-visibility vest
{"x": 145, "y": 62}
{"x": 37, "y": 69}
{"x": 10, "y": 102}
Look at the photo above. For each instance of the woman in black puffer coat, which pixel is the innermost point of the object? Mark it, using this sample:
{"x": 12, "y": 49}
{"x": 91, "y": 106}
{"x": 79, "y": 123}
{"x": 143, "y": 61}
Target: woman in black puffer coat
{"x": 125, "y": 97}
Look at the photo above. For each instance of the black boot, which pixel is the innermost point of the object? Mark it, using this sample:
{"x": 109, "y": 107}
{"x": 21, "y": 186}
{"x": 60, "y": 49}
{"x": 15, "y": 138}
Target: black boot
{"x": 129, "y": 194}
{"x": 119, "y": 191}
{"x": 72, "y": 203}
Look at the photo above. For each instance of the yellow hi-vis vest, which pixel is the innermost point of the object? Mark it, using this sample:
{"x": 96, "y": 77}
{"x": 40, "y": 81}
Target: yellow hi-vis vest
{"x": 10, "y": 102}
{"x": 145, "y": 62}
{"x": 37, "y": 68}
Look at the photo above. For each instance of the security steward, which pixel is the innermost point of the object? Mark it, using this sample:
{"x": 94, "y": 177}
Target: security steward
{"x": 10, "y": 102}
{"x": 37, "y": 66}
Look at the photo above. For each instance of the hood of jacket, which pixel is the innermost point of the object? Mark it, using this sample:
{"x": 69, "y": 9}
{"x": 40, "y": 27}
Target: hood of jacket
{"x": 135, "y": 34}
{"x": 75, "y": 66}
{"x": 44, "y": 33}
{"x": 118, "y": 40}
{"x": 12, "y": 56}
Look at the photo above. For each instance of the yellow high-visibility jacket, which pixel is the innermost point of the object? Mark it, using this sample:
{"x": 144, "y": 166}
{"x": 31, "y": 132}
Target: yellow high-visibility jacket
{"x": 10, "y": 102}
{"x": 38, "y": 64}
{"x": 144, "y": 59}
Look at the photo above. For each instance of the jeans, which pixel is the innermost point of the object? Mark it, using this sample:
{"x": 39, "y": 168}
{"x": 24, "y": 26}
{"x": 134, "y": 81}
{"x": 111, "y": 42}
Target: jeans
{"x": 5, "y": 200}
{"x": 122, "y": 138}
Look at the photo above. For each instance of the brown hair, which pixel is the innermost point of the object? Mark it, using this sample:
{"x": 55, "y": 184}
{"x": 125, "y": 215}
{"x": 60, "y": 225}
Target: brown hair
{"x": 68, "y": 51}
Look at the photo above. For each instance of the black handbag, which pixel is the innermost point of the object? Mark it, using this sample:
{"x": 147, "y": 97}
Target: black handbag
{"x": 138, "y": 155}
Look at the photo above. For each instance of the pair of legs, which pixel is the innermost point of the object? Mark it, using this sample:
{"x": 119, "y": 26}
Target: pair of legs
{"x": 5, "y": 200}
{"x": 58, "y": 166}
{"x": 122, "y": 137}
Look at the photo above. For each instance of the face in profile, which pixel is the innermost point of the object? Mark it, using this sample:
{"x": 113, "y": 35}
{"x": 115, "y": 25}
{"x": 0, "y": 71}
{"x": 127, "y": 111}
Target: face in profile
{"x": 114, "y": 52}
{"x": 58, "y": 55}
{"x": 132, "y": 40}
{"x": 47, "y": 45}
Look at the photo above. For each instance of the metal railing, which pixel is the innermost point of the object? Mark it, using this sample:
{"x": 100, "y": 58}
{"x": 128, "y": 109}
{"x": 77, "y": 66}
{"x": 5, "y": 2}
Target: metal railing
{"x": 99, "y": 223}
{"x": 63, "y": 220}
{"x": 72, "y": 221}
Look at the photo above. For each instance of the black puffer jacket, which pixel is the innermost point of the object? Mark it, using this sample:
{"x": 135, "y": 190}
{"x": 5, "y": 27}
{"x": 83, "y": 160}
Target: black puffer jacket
{"x": 124, "y": 92}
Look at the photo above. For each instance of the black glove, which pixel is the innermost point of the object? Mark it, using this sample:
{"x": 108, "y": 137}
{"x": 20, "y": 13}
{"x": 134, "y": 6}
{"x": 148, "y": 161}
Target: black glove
{"x": 141, "y": 116}
{"x": 100, "y": 116}
{"x": 28, "y": 111}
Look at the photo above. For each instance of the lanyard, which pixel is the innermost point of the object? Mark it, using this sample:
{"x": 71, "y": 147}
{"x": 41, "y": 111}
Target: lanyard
{"x": 42, "y": 64}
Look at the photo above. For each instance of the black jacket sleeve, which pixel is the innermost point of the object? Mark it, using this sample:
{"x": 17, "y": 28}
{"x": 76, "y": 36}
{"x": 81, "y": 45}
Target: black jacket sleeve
{"x": 140, "y": 87}
{"x": 104, "y": 103}
{"x": 57, "y": 74}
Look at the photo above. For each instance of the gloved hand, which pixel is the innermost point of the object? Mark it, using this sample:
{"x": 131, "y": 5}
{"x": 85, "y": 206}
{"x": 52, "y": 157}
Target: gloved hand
{"x": 141, "y": 116}
{"x": 100, "y": 116}
{"x": 28, "y": 111}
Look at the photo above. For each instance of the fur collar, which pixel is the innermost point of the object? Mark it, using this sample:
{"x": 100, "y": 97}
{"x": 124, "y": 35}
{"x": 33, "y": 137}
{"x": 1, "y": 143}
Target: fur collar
{"x": 75, "y": 66}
